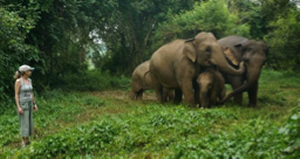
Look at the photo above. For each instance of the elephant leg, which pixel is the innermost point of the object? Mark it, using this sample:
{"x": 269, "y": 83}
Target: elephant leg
{"x": 188, "y": 93}
{"x": 252, "y": 94}
{"x": 139, "y": 95}
{"x": 165, "y": 94}
{"x": 133, "y": 95}
{"x": 178, "y": 96}
{"x": 196, "y": 93}
{"x": 213, "y": 99}
{"x": 159, "y": 90}
{"x": 222, "y": 94}
{"x": 136, "y": 87}
{"x": 169, "y": 94}
{"x": 159, "y": 93}
{"x": 238, "y": 99}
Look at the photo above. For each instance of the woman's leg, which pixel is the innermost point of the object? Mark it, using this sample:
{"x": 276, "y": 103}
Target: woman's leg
{"x": 26, "y": 123}
{"x": 27, "y": 140}
{"x": 30, "y": 123}
{"x": 23, "y": 144}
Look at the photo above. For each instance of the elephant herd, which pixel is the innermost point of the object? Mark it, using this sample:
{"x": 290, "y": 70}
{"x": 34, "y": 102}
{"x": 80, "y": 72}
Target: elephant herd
{"x": 199, "y": 68}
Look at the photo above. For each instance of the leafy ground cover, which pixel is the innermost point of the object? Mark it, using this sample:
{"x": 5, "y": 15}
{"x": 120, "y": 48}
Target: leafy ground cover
{"x": 107, "y": 124}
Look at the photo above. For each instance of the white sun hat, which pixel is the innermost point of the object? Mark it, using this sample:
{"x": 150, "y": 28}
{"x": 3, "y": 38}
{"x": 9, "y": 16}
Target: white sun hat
{"x": 25, "y": 68}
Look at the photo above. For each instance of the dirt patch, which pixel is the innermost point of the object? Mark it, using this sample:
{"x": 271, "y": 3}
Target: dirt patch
{"x": 118, "y": 94}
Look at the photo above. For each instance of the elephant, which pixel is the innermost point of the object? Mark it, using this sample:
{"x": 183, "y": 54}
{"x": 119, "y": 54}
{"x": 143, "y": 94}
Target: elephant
{"x": 141, "y": 81}
{"x": 177, "y": 65}
{"x": 211, "y": 87}
{"x": 254, "y": 55}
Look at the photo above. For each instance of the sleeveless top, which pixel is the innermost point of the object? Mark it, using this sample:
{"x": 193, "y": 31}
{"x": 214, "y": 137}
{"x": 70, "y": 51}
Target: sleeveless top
{"x": 25, "y": 91}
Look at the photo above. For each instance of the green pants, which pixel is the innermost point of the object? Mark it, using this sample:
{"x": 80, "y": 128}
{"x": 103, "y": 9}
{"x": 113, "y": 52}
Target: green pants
{"x": 26, "y": 119}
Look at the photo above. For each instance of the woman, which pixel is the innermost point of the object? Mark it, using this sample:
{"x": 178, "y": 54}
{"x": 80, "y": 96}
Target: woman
{"x": 25, "y": 102}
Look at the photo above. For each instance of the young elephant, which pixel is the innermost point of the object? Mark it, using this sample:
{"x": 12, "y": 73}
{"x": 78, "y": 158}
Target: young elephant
{"x": 211, "y": 87}
{"x": 141, "y": 81}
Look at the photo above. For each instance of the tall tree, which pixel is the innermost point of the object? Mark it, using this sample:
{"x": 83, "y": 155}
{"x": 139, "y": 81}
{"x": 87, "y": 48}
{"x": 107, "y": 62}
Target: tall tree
{"x": 283, "y": 35}
{"x": 127, "y": 33}
{"x": 62, "y": 34}
{"x": 16, "y": 20}
{"x": 51, "y": 35}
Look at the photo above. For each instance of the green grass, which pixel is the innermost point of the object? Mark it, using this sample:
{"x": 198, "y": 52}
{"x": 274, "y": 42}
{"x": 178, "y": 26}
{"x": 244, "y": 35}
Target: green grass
{"x": 108, "y": 125}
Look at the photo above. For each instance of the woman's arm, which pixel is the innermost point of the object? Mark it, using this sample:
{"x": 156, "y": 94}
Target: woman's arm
{"x": 33, "y": 100}
{"x": 35, "y": 108}
{"x": 17, "y": 91}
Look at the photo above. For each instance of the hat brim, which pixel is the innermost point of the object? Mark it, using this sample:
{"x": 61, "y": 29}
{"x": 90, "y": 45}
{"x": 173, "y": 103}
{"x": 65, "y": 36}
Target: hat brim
{"x": 31, "y": 68}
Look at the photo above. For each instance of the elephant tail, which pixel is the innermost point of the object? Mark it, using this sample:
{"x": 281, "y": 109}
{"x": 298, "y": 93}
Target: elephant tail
{"x": 144, "y": 79}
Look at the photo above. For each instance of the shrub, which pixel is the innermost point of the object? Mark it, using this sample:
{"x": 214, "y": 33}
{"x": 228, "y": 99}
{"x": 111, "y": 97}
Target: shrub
{"x": 93, "y": 80}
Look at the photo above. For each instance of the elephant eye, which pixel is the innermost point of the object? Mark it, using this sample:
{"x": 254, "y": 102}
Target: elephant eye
{"x": 244, "y": 49}
{"x": 208, "y": 49}
{"x": 209, "y": 85}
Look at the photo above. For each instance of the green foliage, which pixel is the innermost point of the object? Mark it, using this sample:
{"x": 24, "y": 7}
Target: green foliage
{"x": 54, "y": 105}
{"x": 250, "y": 13}
{"x": 56, "y": 36}
{"x": 13, "y": 50}
{"x": 284, "y": 42}
{"x": 277, "y": 23}
{"x": 89, "y": 138}
{"x": 9, "y": 128}
{"x": 292, "y": 130}
{"x": 274, "y": 9}
{"x": 196, "y": 133}
{"x": 127, "y": 33}
{"x": 50, "y": 35}
{"x": 211, "y": 16}
{"x": 71, "y": 124}
{"x": 65, "y": 27}
{"x": 93, "y": 80}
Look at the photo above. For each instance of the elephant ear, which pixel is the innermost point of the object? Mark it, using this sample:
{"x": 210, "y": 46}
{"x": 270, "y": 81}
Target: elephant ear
{"x": 189, "y": 50}
{"x": 230, "y": 56}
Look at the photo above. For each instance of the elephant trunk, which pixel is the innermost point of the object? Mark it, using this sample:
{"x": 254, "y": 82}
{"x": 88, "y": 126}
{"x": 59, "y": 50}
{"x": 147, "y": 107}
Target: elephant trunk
{"x": 252, "y": 79}
{"x": 203, "y": 99}
{"x": 223, "y": 65}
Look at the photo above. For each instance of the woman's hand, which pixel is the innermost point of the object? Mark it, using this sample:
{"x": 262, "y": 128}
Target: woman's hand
{"x": 20, "y": 110}
{"x": 35, "y": 108}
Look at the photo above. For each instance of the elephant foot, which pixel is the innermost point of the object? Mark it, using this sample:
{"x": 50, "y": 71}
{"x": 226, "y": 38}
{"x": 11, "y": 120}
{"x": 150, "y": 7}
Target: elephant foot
{"x": 193, "y": 105}
{"x": 252, "y": 105}
{"x": 176, "y": 101}
{"x": 239, "y": 103}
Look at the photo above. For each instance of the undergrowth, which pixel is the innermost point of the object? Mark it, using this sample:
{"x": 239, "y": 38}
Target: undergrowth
{"x": 92, "y": 80}
{"x": 177, "y": 131}
{"x": 87, "y": 125}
